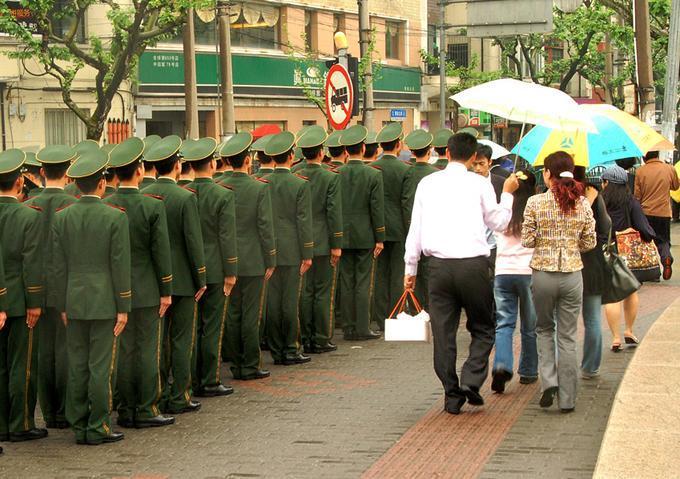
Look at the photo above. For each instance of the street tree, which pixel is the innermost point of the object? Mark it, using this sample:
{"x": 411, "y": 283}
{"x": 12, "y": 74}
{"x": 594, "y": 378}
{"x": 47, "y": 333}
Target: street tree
{"x": 135, "y": 25}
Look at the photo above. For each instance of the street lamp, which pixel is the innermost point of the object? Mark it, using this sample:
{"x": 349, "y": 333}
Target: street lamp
{"x": 341, "y": 44}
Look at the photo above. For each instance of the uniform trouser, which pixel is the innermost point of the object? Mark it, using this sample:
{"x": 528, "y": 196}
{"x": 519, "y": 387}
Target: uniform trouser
{"x": 92, "y": 356}
{"x": 208, "y": 353}
{"x": 18, "y": 368}
{"x": 317, "y": 304}
{"x": 243, "y": 324}
{"x": 457, "y": 284}
{"x": 179, "y": 337}
{"x": 283, "y": 311}
{"x": 389, "y": 280}
{"x": 356, "y": 284}
{"x": 557, "y": 299}
{"x": 139, "y": 376}
{"x": 52, "y": 366}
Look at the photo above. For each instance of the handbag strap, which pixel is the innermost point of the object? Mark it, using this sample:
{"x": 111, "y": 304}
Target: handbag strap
{"x": 401, "y": 303}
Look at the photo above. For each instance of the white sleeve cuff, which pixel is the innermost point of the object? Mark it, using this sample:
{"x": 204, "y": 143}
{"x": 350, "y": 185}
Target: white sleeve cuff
{"x": 506, "y": 200}
{"x": 411, "y": 269}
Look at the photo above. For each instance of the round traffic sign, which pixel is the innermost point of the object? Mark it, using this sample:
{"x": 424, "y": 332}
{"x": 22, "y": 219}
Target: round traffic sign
{"x": 339, "y": 97}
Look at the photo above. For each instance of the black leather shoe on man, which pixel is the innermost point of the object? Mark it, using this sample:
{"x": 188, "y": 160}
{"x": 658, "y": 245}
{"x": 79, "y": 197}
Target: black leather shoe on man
{"x": 323, "y": 348}
{"x": 299, "y": 359}
{"x": 367, "y": 337}
{"x": 259, "y": 374}
{"x": 30, "y": 435}
{"x": 125, "y": 422}
{"x": 156, "y": 421}
{"x": 212, "y": 391}
{"x": 113, "y": 437}
{"x": 193, "y": 406}
{"x": 453, "y": 405}
{"x": 472, "y": 395}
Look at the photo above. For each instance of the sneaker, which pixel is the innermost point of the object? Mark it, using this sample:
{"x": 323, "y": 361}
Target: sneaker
{"x": 588, "y": 375}
{"x": 528, "y": 379}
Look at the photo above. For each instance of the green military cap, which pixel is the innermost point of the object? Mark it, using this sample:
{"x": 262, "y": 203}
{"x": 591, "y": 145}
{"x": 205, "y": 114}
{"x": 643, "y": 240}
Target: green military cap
{"x": 31, "y": 160}
{"x": 280, "y": 143}
{"x": 302, "y": 131}
{"x": 470, "y": 131}
{"x": 297, "y": 151}
{"x": 55, "y": 154}
{"x": 314, "y": 136}
{"x": 149, "y": 141}
{"x": 86, "y": 145}
{"x": 163, "y": 149}
{"x": 11, "y": 160}
{"x": 237, "y": 144}
{"x": 354, "y": 135}
{"x": 108, "y": 148}
{"x": 441, "y": 138}
{"x": 371, "y": 138}
{"x": 418, "y": 139}
{"x": 261, "y": 143}
{"x": 90, "y": 163}
{"x": 333, "y": 140}
{"x": 390, "y": 132}
{"x": 196, "y": 150}
{"x": 125, "y": 153}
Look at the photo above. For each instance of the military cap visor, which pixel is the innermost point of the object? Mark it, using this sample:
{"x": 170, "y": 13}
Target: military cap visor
{"x": 86, "y": 145}
{"x": 31, "y": 160}
{"x": 108, "y": 148}
{"x": 149, "y": 141}
{"x": 354, "y": 135}
{"x": 313, "y": 136}
{"x": 11, "y": 160}
{"x": 441, "y": 138}
{"x": 163, "y": 149}
{"x": 418, "y": 139}
{"x": 390, "y": 132}
{"x": 237, "y": 144}
{"x": 90, "y": 163}
{"x": 333, "y": 140}
{"x": 260, "y": 144}
{"x": 55, "y": 154}
{"x": 280, "y": 144}
{"x": 196, "y": 150}
{"x": 126, "y": 153}
{"x": 371, "y": 138}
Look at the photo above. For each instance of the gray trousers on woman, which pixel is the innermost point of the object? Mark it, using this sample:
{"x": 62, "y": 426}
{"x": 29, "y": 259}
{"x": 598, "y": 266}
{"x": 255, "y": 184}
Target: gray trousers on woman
{"x": 558, "y": 298}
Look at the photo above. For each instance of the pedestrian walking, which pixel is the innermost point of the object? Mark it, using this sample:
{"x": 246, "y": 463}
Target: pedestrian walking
{"x": 559, "y": 225}
{"x": 451, "y": 212}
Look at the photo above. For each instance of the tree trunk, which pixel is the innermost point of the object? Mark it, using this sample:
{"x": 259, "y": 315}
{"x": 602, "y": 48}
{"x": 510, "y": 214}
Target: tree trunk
{"x": 96, "y": 127}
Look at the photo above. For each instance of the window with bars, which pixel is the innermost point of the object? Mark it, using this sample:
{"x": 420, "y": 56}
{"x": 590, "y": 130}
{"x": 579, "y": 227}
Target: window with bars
{"x": 459, "y": 54}
{"x": 392, "y": 40}
{"x": 63, "y": 127}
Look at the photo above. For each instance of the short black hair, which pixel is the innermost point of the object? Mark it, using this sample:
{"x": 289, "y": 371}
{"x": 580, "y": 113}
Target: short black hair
{"x": 55, "y": 171}
{"x": 263, "y": 158}
{"x": 186, "y": 167}
{"x": 419, "y": 153}
{"x": 354, "y": 149}
{"x": 312, "y": 152}
{"x": 127, "y": 172}
{"x": 627, "y": 163}
{"x": 441, "y": 151}
{"x": 88, "y": 185}
{"x": 389, "y": 145}
{"x": 238, "y": 160}
{"x": 484, "y": 150}
{"x": 149, "y": 165}
{"x": 166, "y": 166}
{"x": 109, "y": 174}
{"x": 7, "y": 180}
{"x": 34, "y": 170}
{"x": 651, "y": 155}
{"x": 336, "y": 151}
{"x": 282, "y": 157}
{"x": 462, "y": 146}
{"x": 199, "y": 165}
{"x": 371, "y": 150}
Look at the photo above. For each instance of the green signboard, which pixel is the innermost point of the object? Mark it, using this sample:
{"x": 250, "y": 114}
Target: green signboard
{"x": 476, "y": 117}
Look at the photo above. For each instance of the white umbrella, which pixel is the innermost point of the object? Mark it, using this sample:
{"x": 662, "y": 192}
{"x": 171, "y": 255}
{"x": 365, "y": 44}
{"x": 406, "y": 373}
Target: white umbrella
{"x": 497, "y": 150}
{"x": 526, "y": 103}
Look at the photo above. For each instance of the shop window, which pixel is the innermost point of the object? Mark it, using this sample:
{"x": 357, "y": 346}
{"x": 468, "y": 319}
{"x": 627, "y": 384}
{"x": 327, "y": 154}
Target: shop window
{"x": 308, "y": 122}
{"x": 459, "y": 54}
{"x": 392, "y": 40}
{"x": 63, "y": 127}
{"x": 62, "y": 22}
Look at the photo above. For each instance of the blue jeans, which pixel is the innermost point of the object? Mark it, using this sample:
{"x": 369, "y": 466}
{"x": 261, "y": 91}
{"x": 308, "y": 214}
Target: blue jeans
{"x": 513, "y": 292}
{"x": 592, "y": 342}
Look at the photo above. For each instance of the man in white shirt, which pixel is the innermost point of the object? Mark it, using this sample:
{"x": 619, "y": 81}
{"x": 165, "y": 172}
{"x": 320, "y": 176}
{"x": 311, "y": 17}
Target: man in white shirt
{"x": 451, "y": 213}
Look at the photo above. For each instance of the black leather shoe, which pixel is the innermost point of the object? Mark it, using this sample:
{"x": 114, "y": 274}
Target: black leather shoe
{"x": 259, "y": 374}
{"x": 472, "y": 395}
{"x": 500, "y": 377}
{"x": 30, "y": 435}
{"x": 566, "y": 410}
{"x": 125, "y": 422}
{"x": 548, "y": 396}
{"x": 323, "y": 348}
{"x": 367, "y": 337}
{"x": 113, "y": 437}
{"x": 528, "y": 379}
{"x": 299, "y": 359}
{"x": 156, "y": 421}
{"x": 193, "y": 406}
{"x": 212, "y": 391}
{"x": 453, "y": 406}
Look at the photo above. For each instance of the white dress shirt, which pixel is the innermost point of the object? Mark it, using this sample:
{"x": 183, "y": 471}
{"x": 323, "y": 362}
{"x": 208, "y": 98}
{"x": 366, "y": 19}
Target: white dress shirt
{"x": 451, "y": 213}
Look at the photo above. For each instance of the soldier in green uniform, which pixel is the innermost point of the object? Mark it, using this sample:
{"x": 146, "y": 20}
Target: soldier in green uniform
{"x": 389, "y": 283}
{"x": 257, "y": 253}
{"x": 186, "y": 175}
{"x": 33, "y": 180}
{"x": 292, "y": 210}
{"x": 218, "y": 226}
{"x": 188, "y": 273}
{"x": 363, "y": 236}
{"x": 440, "y": 142}
{"x": 20, "y": 227}
{"x": 81, "y": 148}
{"x": 149, "y": 167}
{"x": 266, "y": 163}
{"x": 420, "y": 144}
{"x": 139, "y": 376}
{"x": 318, "y": 294}
{"x": 372, "y": 148}
{"x": 299, "y": 161}
{"x": 52, "y": 363}
{"x": 336, "y": 149}
{"x": 94, "y": 295}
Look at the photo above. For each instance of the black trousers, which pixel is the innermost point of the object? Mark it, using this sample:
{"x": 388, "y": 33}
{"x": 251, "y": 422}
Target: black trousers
{"x": 662, "y": 228}
{"x": 457, "y": 284}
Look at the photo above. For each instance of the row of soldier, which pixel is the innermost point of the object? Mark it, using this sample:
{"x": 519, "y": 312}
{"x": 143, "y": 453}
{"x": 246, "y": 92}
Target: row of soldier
{"x": 131, "y": 272}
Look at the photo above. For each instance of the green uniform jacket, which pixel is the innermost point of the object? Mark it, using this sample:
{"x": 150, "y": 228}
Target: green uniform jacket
{"x": 33, "y": 192}
{"x": 363, "y": 202}
{"x": 92, "y": 260}
{"x": 3, "y": 285}
{"x": 254, "y": 224}
{"x": 263, "y": 171}
{"x": 186, "y": 241}
{"x": 184, "y": 182}
{"x": 21, "y": 256}
{"x": 218, "y": 226}
{"x": 109, "y": 191}
{"x": 292, "y": 209}
{"x": 326, "y": 208}
{"x": 441, "y": 163}
{"x": 146, "y": 181}
{"x": 149, "y": 246}
{"x": 418, "y": 172}
{"x": 50, "y": 201}
{"x": 394, "y": 173}
{"x": 72, "y": 189}
{"x": 219, "y": 177}
{"x": 298, "y": 166}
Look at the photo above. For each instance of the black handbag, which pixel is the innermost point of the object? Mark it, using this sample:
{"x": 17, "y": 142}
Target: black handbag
{"x": 622, "y": 282}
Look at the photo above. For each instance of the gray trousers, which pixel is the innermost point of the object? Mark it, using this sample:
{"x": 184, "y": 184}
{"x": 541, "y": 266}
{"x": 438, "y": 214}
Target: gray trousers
{"x": 558, "y": 298}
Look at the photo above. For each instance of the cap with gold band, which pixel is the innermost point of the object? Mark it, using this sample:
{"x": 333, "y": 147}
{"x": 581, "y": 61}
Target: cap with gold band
{"x": 441, "y": 138}
{"x": 333, "y": 140}
{"x": 281, "y": 143}
{"x": 390, "y": 132}
{"x": 371, "y": 138}
{"x": 86, "y": 145}
{"x": 108, "y": 148}
{"x": 354, "y": 135}
{"x": 149, "y": 141}
{"x": 90, "y": 163}
{"x": 11, "y": 160}
{"x": 196, "y": 150}
{"x": 260, "y": 144}
{"x": 126, "y": 153}
{"x": 297, "y": 153}
{"x": 31, "y": 160}
{"x": 418, "y": 140}
{"x": 313, "y": 136}
{"x": 163, "y": 149}
{"x": 237, "y": 144}
{"x": 470, "y": 131}
{"x": 55, "y": 154}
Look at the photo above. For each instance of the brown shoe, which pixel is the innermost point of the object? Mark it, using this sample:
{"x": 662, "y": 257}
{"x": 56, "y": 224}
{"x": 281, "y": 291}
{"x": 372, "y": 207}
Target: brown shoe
{"x": 667, "y": 268}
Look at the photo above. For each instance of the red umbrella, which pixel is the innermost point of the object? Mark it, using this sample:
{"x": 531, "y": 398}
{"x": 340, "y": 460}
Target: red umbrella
{"x": 264, "y": 130}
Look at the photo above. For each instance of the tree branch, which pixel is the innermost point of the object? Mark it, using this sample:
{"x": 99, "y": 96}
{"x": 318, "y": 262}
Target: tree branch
{"x": 530, "y": 62}
{"x": 576, "y": 61}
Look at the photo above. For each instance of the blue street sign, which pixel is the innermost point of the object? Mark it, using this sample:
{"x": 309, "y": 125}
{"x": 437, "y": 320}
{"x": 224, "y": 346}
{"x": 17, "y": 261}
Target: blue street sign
{"x": 398, "y": 114}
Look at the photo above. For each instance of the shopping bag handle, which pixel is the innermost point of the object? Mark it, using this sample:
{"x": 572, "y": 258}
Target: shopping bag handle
{"x": 401, "y": 303}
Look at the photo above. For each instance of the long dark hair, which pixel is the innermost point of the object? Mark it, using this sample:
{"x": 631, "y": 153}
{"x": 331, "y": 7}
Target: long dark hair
{"x": 567, "y": 191}
{"x": 527, "y": 188}
{"x": 616, "y": 196}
